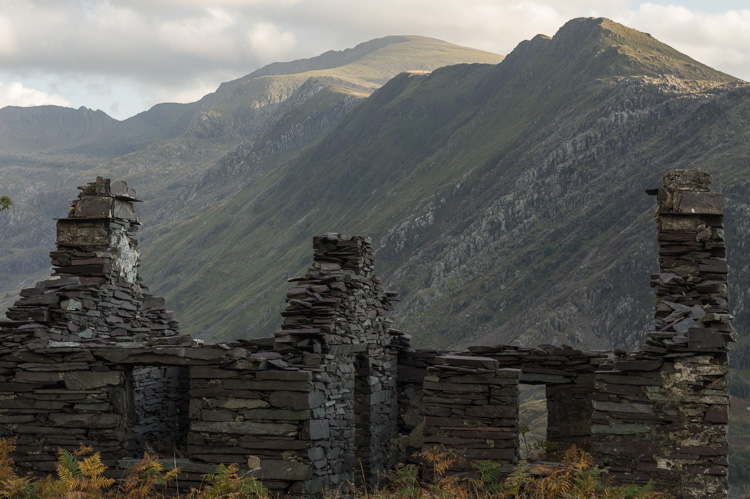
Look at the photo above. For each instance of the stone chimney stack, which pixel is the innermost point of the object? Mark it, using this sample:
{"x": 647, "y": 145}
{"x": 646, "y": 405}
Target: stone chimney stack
{"x": 691, "y": 287}
{"x": 97, "y": 241}
{"x": 95, "y": 293}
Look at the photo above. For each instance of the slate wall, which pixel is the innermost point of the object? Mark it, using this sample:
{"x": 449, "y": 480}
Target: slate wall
{"x": 258, "y": 419}
{"x": 661, "y": 413}
{"x": 471, "y": 409}
{"x": 60, "y": 397}
{"x": 336, "y": 319}
{"x": 90, "y": 357}
{"x": 160, "y": 405}
{"x": 55, "y": 391}
{"x": 337, "y": 394}
{"x": 412, "y": 369}
{"x": 567, "y": 373}
{"x": 568, "y": 376}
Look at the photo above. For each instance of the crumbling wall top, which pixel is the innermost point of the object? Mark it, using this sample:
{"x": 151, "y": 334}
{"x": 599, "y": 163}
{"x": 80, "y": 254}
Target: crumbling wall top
{"x": 105, "y": 199}
{"x": 353, "y": 253}
{"x": 694, "y": 179}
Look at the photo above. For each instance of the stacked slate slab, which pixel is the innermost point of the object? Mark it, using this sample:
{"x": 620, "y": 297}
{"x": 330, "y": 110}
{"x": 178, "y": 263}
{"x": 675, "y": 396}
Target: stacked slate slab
{"x": 160, "y": 405}
{"x": 412, "y": 369}
{"x": 692, "y": 298}
{"x": 259, "y": 417}
{"x": 60, "y": 397}
{"x": 567, "y": 373}
{"x": 661, "y": 413}
{"x": 470, "y": 408}
{"x": 336, "y": 320}
{"x": 568, "y": 376}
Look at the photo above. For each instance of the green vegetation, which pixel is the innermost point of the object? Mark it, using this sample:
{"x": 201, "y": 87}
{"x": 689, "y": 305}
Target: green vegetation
{"x": 81, "y": 474}
{"x": 187, "y": 160}
{"x": 5, "y": 203}
{"x": 576, "y": 476}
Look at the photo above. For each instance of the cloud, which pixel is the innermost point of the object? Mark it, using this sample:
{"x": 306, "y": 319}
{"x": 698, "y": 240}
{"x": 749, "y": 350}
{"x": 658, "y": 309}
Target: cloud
{"x": 15, "y": 94}
{"x": 269, "y": 43}
{"x": 168, "y": 47}
{"x": 204, "y": 36}
{"x": 719, "y": 39}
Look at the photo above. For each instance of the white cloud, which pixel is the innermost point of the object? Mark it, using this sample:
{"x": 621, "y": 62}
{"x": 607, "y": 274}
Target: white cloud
{"x": 168, "y": 47}
{"x": 720, "y": 39}
{"x": 207, "y": 35}
{"x": 15, "y": 94}
{"x": 269, "y": 43}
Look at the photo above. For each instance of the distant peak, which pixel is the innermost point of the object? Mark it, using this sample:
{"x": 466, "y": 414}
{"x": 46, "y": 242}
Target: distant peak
{"x": 605, "y": 47}
{"x": 393, "y": 51}
{"x": 329, "y": 59}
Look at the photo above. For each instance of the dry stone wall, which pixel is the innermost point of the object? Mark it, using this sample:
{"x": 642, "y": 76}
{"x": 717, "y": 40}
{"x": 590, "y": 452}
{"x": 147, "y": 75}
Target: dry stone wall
{"x": 567, "y": 373}
{"x": 159, "y": 405}
{"x": 337, "y": 395}
{"x": 412, "y": 369}
{"x": 336, "y": 320}
{"x": 60, "y": 397}
{"x": 55, "y": 391}
{"x": 471, "y": 408}
{"x": 298, "y": 410}
{"x": 257, "y": 418}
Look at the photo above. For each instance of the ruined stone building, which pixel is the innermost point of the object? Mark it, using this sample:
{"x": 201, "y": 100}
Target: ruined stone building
{"x": 88, "y": 355}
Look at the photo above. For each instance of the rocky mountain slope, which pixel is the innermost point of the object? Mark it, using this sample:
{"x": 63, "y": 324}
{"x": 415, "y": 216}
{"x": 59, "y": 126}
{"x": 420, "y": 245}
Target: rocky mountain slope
{"x": 185, "y": 158}
{"x": 506, "y": 202}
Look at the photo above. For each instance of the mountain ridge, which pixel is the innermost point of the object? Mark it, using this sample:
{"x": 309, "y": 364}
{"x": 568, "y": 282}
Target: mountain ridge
{"x": 573, "y": 122}
{"x": 184, "y": 158}
{"x": 490, "y": 190}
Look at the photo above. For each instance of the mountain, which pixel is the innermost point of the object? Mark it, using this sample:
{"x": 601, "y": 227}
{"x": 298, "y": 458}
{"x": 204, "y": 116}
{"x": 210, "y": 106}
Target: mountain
{"x": 185, "y": 158}
{"x": 49, "y": 127}
{"x": 506, "y": 202}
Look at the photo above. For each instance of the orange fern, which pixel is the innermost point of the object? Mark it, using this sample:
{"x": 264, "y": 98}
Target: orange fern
{"x": 144, "y": 477}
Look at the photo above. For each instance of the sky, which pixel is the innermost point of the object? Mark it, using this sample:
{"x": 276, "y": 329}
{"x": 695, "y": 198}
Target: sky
{"x": 124, "y": 56}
